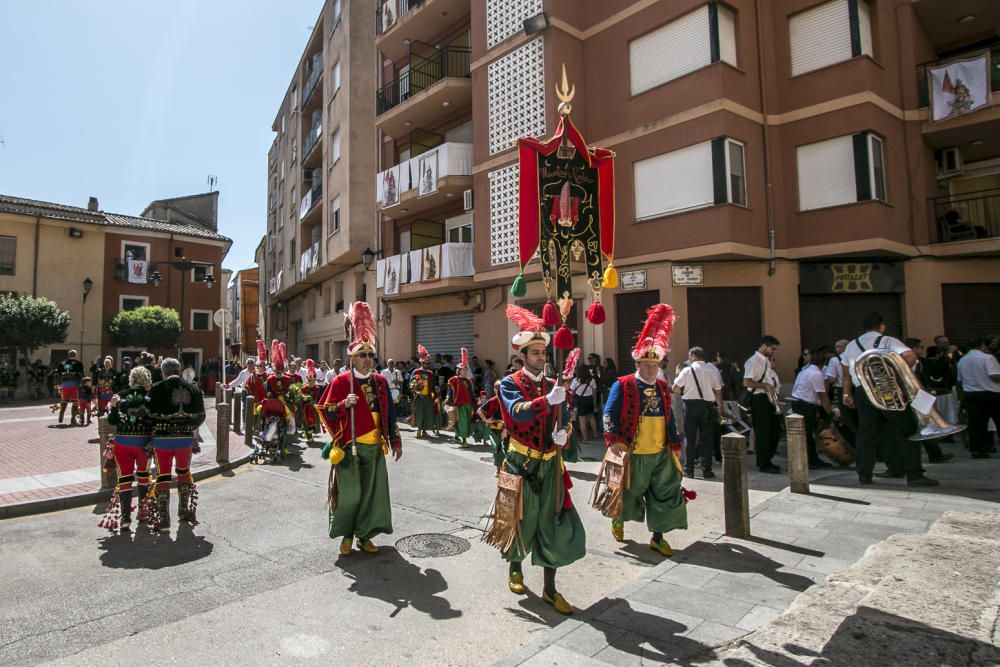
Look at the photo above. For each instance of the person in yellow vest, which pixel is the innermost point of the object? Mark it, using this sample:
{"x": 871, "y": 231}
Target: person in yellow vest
{"x": 422, "y": 388}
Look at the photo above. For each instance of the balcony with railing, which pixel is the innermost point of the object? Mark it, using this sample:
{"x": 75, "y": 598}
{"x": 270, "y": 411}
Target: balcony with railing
{"x": 436, "y": 79}
{"x": 314, "y": 72}
{"x": 310, "y": 260}
{"x": 433, "y": 269}
{"x": 409, "y": 21}
{"x": 309, "y": 206}
{"x": 137, "y": 275}
{"x": 966, "y": 217}
{"x": 311, "y": 141}
{"x": 426, "y": 181}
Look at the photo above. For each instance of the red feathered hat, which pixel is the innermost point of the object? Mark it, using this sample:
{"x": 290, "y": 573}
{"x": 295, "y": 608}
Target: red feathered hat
{"x": 422, "y": 353}
{"x": 362, "y": 327}
{"x": 532, "y": 328}
{"x": 261, "y": 352}
{"x": 310, "y": 368}
{"x": 277, "y": 354}
{"x": 653, "y": 341}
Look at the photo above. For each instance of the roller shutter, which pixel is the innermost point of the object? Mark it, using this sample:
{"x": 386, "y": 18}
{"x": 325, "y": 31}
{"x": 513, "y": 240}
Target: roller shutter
{"x": 671, "y": 51}
{"x": 820, "y": 36}
{"x": 444, "y": 333}
{"x": 630, "y": 313}
{"x": 724, "y": 319}
{"x": 970, "y": 310}
{"x": 826, "y": 318}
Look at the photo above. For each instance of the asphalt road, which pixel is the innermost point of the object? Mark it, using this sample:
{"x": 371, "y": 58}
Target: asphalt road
{"x": 258, "y": 581}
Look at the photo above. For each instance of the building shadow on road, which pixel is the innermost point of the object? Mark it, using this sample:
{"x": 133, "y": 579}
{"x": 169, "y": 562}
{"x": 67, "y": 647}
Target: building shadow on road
{"x": 735, "y": 557}
{"x": 389, "y": 577}
{"x": 144, "y": 550}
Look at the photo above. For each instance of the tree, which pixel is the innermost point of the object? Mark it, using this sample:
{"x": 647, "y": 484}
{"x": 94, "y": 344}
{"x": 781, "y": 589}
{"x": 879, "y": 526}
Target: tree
{"x": 29, "y": 323}
{"x": 147, "y": 327}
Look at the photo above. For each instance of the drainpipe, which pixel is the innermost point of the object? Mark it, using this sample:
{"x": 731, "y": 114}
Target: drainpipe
{"x": 768, "y": 193}
{"x": 34, "y": 271}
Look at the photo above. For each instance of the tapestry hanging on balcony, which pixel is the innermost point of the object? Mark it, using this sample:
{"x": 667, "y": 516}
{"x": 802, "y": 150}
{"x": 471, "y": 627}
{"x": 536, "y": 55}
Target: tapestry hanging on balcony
{"x": 566, "y": 213}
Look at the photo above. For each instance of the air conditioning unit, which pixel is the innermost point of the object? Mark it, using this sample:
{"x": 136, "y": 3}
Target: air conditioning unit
{"x": 467, "y": 199}
{"x": 949, "y": 162}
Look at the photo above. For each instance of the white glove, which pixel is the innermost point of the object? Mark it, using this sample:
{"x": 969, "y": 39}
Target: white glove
{"x": 556, "y": 396}
{"x": 559, "y": 437}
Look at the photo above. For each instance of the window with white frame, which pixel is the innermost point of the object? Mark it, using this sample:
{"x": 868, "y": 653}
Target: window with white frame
{"x": 335, "y": 146}
{"x": 201, "y": 320}
{"x": 829, "y": 33}
{"x": 704, "y": 174}
{"x": 281, "y": 216}
{"x": 199, "y": 272}
{"x": 459, "y": 229}
{"x": 336, "y": 77}
{"x": 335, "y": 216}
{"x": 295, "y": 97}
{"x": 8, "y": 255}
{"x": 127, "y": 302}
{"x": 281, "y": 172}
{"x": 282, "y": 123}
{"x": 686, "y": 44}
{"x": 840, "y": 171}
{"x": 135, "y": 250}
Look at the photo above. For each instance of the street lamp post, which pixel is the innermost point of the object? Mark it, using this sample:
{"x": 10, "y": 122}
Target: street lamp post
{"x": 88, "y": 285}
{"x": 182, "y": 265}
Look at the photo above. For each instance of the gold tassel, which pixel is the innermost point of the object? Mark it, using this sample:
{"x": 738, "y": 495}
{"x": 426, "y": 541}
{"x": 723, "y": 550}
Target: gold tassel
{"x": 610, "y": 276}
{"x": 504, "y": 531}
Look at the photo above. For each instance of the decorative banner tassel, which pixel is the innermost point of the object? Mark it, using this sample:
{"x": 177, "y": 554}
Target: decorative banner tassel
{"x": 688, "y": 494}
{"x": 610, "y": 276}
{"x": 563, "y": 339}
{"x": 550, "y": 316}
{"x": 595, "y": 314}
{"x": 519, "y": 288}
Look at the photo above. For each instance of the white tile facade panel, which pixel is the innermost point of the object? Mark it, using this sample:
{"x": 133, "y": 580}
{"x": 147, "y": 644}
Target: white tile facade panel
{"x": 516, "y": 96}
{"x": 503, "y": 215}
{"x": 506, "y": 17}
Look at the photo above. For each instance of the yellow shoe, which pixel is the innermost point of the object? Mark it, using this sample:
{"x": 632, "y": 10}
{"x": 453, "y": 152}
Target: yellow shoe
{"x": 367, "y": 546}
{"x": 618, "y": 530}
{"x": 662, "y": 547}
{"x": 558, "y": 603}
{"x": 345, "y": 547}
{"x": 515, "y": 582}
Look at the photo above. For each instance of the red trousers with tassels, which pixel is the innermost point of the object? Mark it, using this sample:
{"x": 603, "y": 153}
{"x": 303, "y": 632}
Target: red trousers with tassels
{"x": 130, "y": 457}
{"x": 177, "y": 459}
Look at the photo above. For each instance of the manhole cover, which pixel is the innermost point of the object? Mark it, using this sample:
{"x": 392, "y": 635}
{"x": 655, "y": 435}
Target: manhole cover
{"x": 428, "y": 545}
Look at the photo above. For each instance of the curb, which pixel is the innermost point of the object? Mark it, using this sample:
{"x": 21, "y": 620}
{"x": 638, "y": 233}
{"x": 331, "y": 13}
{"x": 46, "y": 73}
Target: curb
{"x": 83, "y": 499}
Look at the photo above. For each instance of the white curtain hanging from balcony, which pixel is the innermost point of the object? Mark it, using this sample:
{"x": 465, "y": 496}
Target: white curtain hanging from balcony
{"x": 456, "y": 260}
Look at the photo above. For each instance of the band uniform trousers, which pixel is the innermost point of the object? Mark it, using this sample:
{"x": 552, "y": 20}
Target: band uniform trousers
{"x": 701, "y": 421}
{"x": 810, "y": 413}
{"x": 766, "y": 428}
{"x": 982, "y": 405}
{"x": 130, "y": 457}
{"x": 890, "y": 428}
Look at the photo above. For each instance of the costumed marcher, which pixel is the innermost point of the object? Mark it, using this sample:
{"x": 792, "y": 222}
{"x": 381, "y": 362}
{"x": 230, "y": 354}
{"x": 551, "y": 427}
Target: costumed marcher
{"x": 256, "y": 385}
{"x": 311, "y": 393}
{"x": 533, "y": 511}
{"x": 492, "y": 420}
{"x": 70, "y": 374}
{"x": 275, "y": 409}
{"x": 129, "y": 414}
{"x": 106, "y": 379}
{"x": 177, "y": 409}
{"x": 422, "y": 388}
{"x": 122, "y": 378}
{"x": 639, "y": 427}
{"x": 460, "y": 398}
{"x": 358, "y": 412}
{"x": 85, "y": 397}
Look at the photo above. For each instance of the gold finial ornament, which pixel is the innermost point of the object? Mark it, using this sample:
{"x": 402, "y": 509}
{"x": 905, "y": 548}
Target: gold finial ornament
{"x": 565, "y": 94}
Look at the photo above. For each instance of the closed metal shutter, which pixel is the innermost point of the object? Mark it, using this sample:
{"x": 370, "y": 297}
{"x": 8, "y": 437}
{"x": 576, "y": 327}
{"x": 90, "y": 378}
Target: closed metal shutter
{"x": 970, "y": 310}
{"x": 444, "y": 333}
{"x": 724, "y": 319}
{"x": 826, "y": 318}
{"x": 820, "y": 36}
{"x": 630, "y": 313}
{"x": 671, "y": 51}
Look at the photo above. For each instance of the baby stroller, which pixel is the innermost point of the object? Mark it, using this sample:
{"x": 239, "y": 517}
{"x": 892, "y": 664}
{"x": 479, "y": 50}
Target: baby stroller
{"x": 269, "y": 442}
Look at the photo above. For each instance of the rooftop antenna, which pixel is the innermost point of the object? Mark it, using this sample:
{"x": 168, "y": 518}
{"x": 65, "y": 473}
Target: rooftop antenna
{"x": 212, "y": 180}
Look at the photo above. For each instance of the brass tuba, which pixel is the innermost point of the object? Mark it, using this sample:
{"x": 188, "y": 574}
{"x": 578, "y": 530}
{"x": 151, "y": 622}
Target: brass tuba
{"x": 891, "y": 385}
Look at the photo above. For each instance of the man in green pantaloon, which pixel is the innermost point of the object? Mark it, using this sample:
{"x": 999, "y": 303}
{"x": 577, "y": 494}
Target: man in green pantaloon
{"x": 638, "y": 420}
{"x": 359, "y": 414}
{"x": 422, "y": 388}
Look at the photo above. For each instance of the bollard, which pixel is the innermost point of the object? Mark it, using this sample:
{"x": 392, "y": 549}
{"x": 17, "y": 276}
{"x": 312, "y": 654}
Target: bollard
{"x": 219, "y": 393}
{"x": 798, "y": 456}
{"x": 222, "y": 433}
{"x": 109, "y": 476}
{"x": 736, "y": 491}
{"x": 230, "y": 396}
{"x": 248, "y": 421}
{"x": 237, "y": 410}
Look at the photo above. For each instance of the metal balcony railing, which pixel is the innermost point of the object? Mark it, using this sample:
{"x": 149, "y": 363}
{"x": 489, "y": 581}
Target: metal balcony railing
{"x": 424, "y": 72}
{"x": 312, "y": 79}
{"x": 387, "y": 13}
{"x": 314, "y": 135}
{"x": 975, "y": 215}
{"x": 121, "y": 271}
{"x": 312, "y": 196}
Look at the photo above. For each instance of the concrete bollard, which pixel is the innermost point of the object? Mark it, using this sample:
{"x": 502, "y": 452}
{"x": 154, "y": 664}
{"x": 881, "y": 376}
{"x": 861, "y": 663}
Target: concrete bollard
{"x": 248, "y": 421}
{"x": 736, "y": 490}
{"x": 109, "y": 476}
{"x": 237, "y": 409}
{"x": 798, "y": 455}
{"x": 219, "y": 393}
{"x": 222, "y": 433}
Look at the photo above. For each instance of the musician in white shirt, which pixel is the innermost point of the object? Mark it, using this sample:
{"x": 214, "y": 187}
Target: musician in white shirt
{"x": 245, "y": 374}
{"x": 394, "y": 378}
{"x": 979, "y": 377}
{"x": 876, "y": 426}
{"x": 700, "y": 386}
{"x": 808, "y": 397}
{"x": 759, "y": 375}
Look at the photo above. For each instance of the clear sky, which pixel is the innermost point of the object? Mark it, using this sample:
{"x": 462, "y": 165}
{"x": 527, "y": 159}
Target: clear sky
{"x": 132, "y": 101}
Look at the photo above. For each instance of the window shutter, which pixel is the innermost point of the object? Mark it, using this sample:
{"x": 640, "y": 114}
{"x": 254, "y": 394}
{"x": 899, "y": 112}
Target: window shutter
{"x": 673, "y": 182}
{"x": 826, "y": 173}
{"x": 820, "y": 36}
{"x": 719, "y": 174}
{"x": 727, "y": 34}
{"x": 679, "y": 47}
{"x": 862, "y": 166}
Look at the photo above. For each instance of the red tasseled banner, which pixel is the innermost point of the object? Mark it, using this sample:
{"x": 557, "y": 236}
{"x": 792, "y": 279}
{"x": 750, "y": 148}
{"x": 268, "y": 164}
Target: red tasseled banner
{"x": 595, "y": 314}
{"x": 550, "y": 316}
{"x": 563, "y": 339}
{"x": 568, "y": 484}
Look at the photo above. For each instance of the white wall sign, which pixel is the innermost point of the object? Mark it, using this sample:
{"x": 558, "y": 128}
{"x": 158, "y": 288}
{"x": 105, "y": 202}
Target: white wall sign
{"x": 633, "y": 280}
{"x": 684, "y": 275}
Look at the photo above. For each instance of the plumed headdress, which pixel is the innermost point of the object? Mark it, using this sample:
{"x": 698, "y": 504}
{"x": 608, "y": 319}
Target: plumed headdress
{"x": 422, "y": 353}
{"x": 261, "y": 352}
{"x": 277, "y": 355}
{"x": 362, "y": 328}
{"x": 310, "y": 368}
{"x": 653, "y": 341}
{"x": 532, "y": 328}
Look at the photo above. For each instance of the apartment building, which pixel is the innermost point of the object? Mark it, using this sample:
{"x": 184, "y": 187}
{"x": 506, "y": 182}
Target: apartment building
{"x": 95, "y": 264}
{"x": 779, "y": 166}
{"x": 321, "y": 216}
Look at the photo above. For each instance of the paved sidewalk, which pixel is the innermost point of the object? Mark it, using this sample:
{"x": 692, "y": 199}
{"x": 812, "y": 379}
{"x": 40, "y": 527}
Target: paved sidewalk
{"x": 46, "y": 466}
{"x": 719, "y": 590}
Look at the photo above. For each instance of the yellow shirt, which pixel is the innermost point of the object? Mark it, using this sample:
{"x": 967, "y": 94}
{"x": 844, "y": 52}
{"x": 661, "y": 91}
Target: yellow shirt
{"x": 374, "y": 436}
{"x": 652, "y": 435}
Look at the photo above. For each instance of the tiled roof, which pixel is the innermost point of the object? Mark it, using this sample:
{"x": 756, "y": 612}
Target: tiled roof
{"x": 76, "y": 214}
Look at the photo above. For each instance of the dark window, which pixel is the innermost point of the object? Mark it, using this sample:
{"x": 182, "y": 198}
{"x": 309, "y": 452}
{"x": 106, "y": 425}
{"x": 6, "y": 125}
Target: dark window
{"x": 132, "y": 303}
{"x": 8, "y": 255}
{"x": 200, "y": 271}
{"x": 200, "y": 321}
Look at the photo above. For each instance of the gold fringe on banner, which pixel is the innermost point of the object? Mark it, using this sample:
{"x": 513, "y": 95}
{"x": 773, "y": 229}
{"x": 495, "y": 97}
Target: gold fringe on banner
{"x": 504, "y": 531}
{"x": 609, "y": 487}
{"x": 333, "y": 489}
